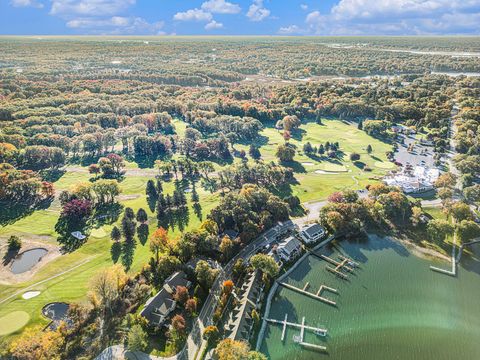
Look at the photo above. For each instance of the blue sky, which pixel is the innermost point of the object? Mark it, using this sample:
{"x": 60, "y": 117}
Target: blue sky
{"x": 240, "y": 17}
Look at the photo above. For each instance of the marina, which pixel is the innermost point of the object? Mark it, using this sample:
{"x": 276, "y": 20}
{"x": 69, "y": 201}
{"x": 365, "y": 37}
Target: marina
{"x": 393, "y": 308}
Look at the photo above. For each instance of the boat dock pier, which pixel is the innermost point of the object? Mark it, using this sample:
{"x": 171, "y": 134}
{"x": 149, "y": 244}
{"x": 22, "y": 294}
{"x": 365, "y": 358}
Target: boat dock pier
{"x": 344, "y": 264}
{"x": 302, "y": 327}
{"x": 316, "y": 296}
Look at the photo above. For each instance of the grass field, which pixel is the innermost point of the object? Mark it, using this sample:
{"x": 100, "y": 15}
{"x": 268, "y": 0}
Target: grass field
{"x": 319, "y": 177}
{"x": 72, "y": 286}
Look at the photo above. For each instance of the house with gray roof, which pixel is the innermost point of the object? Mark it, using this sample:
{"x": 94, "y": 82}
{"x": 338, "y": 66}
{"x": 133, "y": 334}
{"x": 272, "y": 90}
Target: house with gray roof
{"x": 158, "y": 308}
{"x": 240, "y": 324}
{"x": 312, "y": 233}
{"x": 289, "y": 248}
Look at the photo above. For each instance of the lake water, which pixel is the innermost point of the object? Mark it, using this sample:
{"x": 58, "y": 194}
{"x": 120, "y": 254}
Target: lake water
{"x": 26, "y": 260}
{"x": 393, "y": 307}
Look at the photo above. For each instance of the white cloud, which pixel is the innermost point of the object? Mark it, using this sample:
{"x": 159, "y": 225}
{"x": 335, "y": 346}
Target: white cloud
{"x": 212, "y": 25}
{"x": 193, "y": 15}
{"x": 98, "y": 8}
{"x": 221, "y": 7}
{"x": 26, "y": 3}
{"x": 116, "y": 25}
{"x": 397, "y": 17}
{"x": 291, "y": 30}
{"x": 304, "y": 6}
{"x": 257, "y": 12}
{"x": 365, "y": 9}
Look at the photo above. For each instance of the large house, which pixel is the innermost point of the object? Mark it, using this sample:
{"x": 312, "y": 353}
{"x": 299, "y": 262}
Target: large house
{"x": 240, "y": 323}
{"x": 312, "y": 233}
{"x": 289, "y": 248}
{"x": 158, "y": 308}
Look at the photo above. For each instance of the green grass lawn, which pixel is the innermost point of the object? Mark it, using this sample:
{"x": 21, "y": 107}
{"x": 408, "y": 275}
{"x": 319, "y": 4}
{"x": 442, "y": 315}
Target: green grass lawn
{"x": 319, "y": 177}
{"x": 95, "y": 254}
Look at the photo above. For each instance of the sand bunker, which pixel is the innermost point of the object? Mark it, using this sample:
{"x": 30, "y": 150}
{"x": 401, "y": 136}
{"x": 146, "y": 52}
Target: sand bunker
{"x": 325, "y": 172}
{"x": 30, "y": 294}
{"x": 307, "y": 163}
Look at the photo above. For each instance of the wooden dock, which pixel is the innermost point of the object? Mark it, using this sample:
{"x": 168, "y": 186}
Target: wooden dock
{"x": 339, "y": 265}
{"x": 336, "y": 272}
{"x": 313, "y": 346}
{"x": 312, "y": 295}
{"x": 284, "y": 330}
{"x": 301, "y": 326}
{"x": 350, "y": 261}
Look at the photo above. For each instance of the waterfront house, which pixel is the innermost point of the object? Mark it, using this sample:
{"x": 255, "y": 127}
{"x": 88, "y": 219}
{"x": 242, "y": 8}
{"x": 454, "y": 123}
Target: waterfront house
{"x": 312, "y": 233}
{"x": 289, "y": 249}
{"x": 158, "y": 308}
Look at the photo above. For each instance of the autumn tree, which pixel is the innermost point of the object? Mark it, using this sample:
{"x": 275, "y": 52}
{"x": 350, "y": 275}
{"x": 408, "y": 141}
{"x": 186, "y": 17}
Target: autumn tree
{"x": 191, "y": 306}
{"x": 105, "y": 287}
{"x": 37, "y": 344}
{"x": 211, "y": 334}
{"x": 229, "y": 349}
{"x": 181, "y": 295}
{"x": 158, "y": 242}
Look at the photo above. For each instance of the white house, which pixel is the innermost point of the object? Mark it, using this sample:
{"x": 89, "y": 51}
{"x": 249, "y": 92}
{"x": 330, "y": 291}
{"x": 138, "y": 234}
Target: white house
{"x": 289, "y": 248}
{"x": 312, "y": 233}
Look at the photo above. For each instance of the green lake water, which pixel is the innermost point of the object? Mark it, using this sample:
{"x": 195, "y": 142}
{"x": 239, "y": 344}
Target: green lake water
{"x": 393, "y": 307}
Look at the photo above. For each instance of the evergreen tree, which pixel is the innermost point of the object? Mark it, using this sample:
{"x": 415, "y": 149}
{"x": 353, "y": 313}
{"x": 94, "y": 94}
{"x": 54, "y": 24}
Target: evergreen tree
{"x": 151, "y": 191}
{"x": 307, "y": 148}
{"x": 195, "y": 197}
{"x": 321, "y": 149}
{"x": 142, "y": 215}
{"x": 116, "y": 234}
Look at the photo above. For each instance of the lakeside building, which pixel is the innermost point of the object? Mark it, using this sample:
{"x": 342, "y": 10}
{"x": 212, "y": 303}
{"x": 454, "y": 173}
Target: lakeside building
{"x": 312, "y": 233}
{"x": 289, "y": 249}
{"x": 158, "y": 308}
{"x": 240, "y": 322}
{"x": 418, "y": 180}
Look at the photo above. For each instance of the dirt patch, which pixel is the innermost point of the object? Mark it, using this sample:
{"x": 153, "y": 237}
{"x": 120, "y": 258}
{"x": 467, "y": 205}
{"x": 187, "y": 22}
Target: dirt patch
{"x": 6, "y": 275}
{"x": 423, "y": 252}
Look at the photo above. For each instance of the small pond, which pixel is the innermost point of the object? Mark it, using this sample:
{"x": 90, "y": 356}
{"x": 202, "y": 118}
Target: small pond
{"x": 27, "y": 259}
{"x": 56, "y": 311}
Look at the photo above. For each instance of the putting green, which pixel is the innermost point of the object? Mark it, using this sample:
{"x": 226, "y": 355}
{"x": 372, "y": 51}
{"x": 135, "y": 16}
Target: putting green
{"x": 13, "y": 322}
{"x": 333, "y": 167}
{"x": 384, "y": 164}
{"x": 98, "y": 233}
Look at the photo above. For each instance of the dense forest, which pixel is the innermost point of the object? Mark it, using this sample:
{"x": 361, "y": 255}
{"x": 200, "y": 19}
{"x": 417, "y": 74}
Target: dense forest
{"x": 198, "y": 127}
